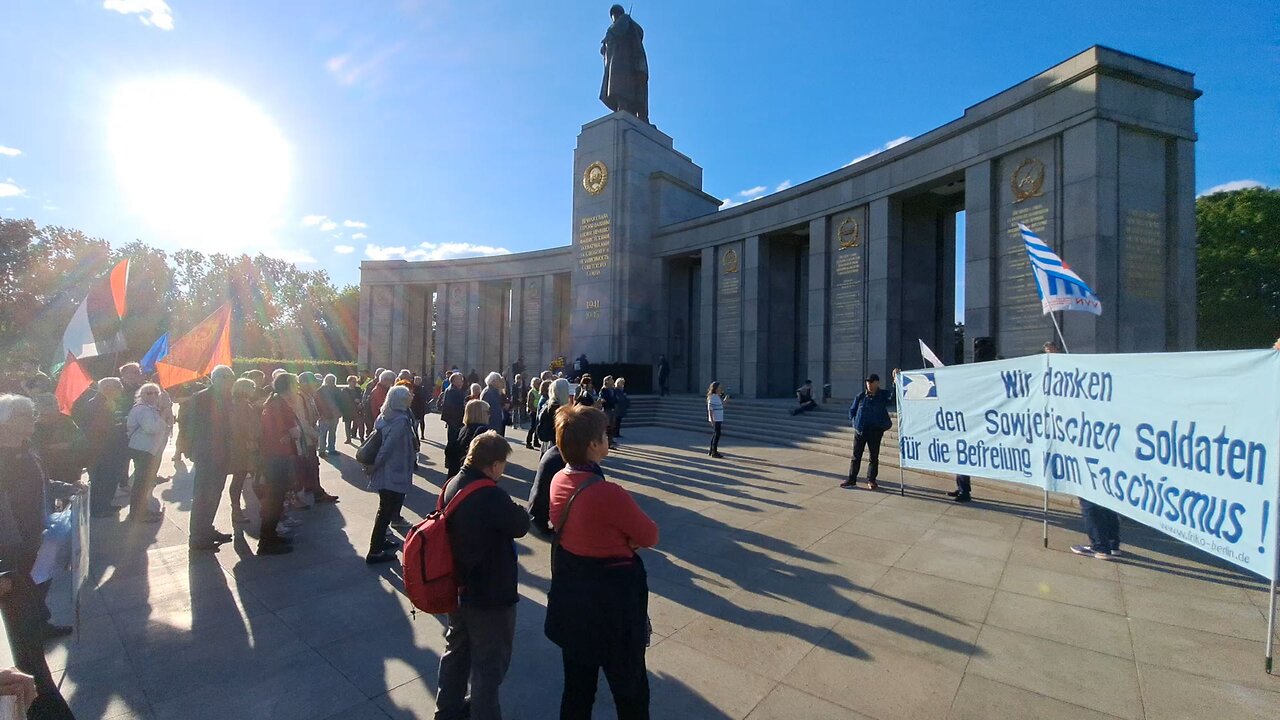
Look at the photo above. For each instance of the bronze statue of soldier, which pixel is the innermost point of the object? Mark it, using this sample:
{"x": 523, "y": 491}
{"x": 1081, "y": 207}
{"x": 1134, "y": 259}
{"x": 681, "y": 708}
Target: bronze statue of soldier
{"x": 625, "y": 86}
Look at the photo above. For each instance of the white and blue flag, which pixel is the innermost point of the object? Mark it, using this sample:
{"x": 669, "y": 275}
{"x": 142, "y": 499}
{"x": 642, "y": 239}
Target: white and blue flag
{"x": 1060, "y": 288}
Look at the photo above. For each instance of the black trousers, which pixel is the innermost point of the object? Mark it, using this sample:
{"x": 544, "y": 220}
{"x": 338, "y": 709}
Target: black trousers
{"x": 389, "y": 504}
{"x": 715, "y": 436}
{"x": 533, "y": 430}
{"x": 861, "y": 441}
{"x": 24, "y": 610}
{"x": 805, "y": 407}
{"x": 963, "y": 485}
{"x": 279, "y": 476}
{"x": 628, "y": 680}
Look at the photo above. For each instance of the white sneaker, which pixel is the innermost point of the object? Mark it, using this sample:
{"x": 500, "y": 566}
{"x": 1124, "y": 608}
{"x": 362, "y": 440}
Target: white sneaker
{"x": 1088, "y": 551}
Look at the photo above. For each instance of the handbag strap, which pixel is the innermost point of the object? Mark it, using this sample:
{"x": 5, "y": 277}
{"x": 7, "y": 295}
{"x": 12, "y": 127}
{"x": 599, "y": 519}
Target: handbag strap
{"x": 564, "y": 520}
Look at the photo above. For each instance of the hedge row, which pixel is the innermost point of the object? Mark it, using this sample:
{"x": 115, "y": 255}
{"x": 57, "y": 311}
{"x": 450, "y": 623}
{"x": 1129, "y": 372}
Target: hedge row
{"x": 322, "y": 367}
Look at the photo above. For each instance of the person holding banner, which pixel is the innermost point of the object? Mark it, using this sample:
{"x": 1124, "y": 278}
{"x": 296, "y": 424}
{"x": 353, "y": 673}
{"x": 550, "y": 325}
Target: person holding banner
{"x": 869, "y": 415}
{"x": 1102, "y": 525}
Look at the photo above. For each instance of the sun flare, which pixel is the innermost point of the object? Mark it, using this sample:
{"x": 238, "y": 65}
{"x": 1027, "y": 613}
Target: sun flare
{"x": 199, "y": 162}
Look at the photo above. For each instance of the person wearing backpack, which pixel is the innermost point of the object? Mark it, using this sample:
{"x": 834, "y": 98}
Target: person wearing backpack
{"x": 391, "y": 474}
{"x": 481, "y": 631}
{"x": 597, "y": 607}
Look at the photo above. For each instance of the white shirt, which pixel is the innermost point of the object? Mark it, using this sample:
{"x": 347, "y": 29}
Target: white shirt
{"x": 715, "y": 408}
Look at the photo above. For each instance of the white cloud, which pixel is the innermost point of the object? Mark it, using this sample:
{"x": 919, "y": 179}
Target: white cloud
{"x": 432, "y": 251}
{"x": 887, "y": 146}
{"x": 313, "y": 220}
{"x": 328, "y": 225}
{"x": 153, "y": 13}
{"x": 354, "y": 224}
{"x": 9, "y": 188}
{"x": 782, "y": 186}
{"x": 754, "y": 192}
{"x": 358, "y": 236}
{"x": 728, "y": 203}
{"x": 297, "y": 257}
{"x": 10, "y": 152}
{"x": 343, "y": 249}
{"x": 349, "y": 69}
{"x": 1233, "y": 185}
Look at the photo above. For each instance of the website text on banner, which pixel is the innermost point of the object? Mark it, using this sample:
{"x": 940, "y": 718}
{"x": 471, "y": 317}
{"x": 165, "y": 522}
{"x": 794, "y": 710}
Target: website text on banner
{"x": 1185, "y": 443}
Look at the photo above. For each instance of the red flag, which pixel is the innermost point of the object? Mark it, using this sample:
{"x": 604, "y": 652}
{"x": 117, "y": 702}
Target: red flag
{"x": 71, "y": 384}
{"x": 198, "y": 352}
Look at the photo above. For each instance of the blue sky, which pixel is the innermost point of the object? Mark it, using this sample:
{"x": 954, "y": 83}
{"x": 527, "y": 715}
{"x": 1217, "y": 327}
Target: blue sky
{"x": 328, "y": 132}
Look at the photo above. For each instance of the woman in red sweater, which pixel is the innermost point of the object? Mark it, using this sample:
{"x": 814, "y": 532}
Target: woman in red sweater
{"x": 598, "y": 605}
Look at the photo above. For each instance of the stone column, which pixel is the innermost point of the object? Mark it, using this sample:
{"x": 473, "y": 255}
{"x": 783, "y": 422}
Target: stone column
{"x": 514, "y": 327}
{"x": 366, "y": 328}
{"x": 1182, "y": 236}
{"x": 818, "y": 325}
{"x": 884, "y": 275}
{"x": 472, "y": 352}
{"x": 415, "y": 320}
{"x": 979, "y": 257}
{"x": 430, "y": 352}
{"x": 707, "y": 324}
{"x": 755, "y": 317}
{"x": 399, "y": 328}
{"x": 547, "y": 325}
{"x": 1089, "y": 231}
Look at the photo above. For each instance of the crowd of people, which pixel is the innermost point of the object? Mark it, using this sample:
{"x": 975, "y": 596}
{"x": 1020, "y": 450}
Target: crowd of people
{"x": 269, "y": 435}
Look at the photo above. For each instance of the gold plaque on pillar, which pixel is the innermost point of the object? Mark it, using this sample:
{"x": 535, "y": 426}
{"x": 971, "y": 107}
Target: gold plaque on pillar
{"x": 730, "y": 261}
{"x": 849, "y": 233}
{"x": 595, "y": 178}
{"x": 1027, "y": 180}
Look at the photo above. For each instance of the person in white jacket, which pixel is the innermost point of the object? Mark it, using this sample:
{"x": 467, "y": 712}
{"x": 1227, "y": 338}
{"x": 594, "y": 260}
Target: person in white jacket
{"x": 148, "y": 433}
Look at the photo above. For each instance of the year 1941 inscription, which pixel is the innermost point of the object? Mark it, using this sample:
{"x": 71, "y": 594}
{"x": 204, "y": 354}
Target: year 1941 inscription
{"x": 593, "y": 244}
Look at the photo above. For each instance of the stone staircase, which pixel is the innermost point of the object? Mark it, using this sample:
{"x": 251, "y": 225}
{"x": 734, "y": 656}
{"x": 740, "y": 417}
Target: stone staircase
{"x": 825, "y": 429}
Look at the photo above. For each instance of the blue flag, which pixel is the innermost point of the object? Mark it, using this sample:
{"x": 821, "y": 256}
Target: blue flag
{"x": 159, "y": 350}
{"x": 1060, "y": 288}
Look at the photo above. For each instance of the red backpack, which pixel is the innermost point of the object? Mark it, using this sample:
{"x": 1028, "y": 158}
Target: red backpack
{"x": 428, "y": 572}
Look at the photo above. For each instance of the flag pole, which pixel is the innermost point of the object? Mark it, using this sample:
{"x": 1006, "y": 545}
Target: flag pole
{"x": 1271, "y": 600}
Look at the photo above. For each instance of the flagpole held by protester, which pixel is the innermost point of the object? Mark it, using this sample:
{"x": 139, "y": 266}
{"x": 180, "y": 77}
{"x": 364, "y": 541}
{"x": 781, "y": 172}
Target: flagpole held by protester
{"x": 1060, "y": 289}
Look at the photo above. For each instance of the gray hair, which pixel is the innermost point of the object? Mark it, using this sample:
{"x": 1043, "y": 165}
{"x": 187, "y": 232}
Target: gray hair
{"x": 493, "y": 378}
{"x": 331, "y": 379}
{"x": 110, "y": 382}
{"x": 560, "y": 391}
{"x": 398, "y": 399}
{"x": 14, "y": 407}
{"x": 476, "y": 389}
{"x": 387, "y": 376}
{"x": 620, "y": 382}
{"x": 137, "y": 398}
{"x": 222, "y": 374}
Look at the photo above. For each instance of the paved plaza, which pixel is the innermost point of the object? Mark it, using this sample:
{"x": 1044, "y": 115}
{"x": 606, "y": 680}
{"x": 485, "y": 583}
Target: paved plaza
{"x": 774, "y": 594}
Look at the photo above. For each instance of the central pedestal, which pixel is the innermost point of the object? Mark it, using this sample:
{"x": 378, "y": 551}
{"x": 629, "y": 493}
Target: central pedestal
{"x": 628, "y": 180}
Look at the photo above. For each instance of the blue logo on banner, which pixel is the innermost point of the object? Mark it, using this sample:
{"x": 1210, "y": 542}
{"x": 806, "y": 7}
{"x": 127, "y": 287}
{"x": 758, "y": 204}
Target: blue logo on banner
{"x": 919, "y": 386}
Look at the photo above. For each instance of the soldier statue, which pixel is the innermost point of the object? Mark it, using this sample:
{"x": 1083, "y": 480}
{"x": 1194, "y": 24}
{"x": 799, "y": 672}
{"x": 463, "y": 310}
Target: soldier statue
{"x": 626, "y": 69}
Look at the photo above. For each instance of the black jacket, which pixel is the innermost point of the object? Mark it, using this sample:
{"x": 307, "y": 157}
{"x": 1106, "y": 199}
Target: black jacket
{"x": 25, "y": 494}
{"x": 539, "y": 504}
{"x": 547, "y": 423}
{"x": 482, "y": 531}
{"x": 452, "y": 402}
{"x": 210, "y": 427}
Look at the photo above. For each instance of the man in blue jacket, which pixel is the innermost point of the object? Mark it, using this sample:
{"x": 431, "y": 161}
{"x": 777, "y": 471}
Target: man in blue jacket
{"x": 869, "y": 415}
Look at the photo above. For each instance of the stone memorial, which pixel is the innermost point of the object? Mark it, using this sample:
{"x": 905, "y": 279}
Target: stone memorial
{"x": 840, "y": 276}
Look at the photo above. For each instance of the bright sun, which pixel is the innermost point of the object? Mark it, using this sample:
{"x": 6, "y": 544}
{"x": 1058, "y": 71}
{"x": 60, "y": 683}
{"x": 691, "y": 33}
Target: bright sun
{"x": 199, "y": 162}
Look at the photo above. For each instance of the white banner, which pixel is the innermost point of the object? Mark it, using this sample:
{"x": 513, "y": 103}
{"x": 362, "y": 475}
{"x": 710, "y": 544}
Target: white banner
{"x": 1182, "y": 442}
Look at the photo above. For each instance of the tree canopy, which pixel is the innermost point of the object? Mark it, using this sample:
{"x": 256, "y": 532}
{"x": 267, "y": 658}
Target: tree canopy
{"x": 278, "y": 310}
{"x": 1238, "y": 269}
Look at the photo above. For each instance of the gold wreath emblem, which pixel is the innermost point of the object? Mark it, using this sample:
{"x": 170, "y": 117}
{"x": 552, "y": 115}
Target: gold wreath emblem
{"x": 849, "y": 233}
{"x": 595, "y": 178}
{"x": 730, "y": 261}
{"x": 1027, "y": 180}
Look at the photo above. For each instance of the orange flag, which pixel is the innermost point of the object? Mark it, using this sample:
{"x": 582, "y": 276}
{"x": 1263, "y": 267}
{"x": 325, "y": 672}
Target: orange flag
{"x": 198, "y": 352}
{"x": 71, "y": 384}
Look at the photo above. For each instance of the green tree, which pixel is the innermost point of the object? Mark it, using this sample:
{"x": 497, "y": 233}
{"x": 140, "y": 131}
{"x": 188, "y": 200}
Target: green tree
{"x": 1238, "y": 269}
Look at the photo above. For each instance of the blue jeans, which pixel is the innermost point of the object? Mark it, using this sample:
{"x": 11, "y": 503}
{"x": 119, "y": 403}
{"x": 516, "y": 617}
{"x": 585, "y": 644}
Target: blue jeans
{"x": 1101, "y": 525}
{"x": 328, "y": 435}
